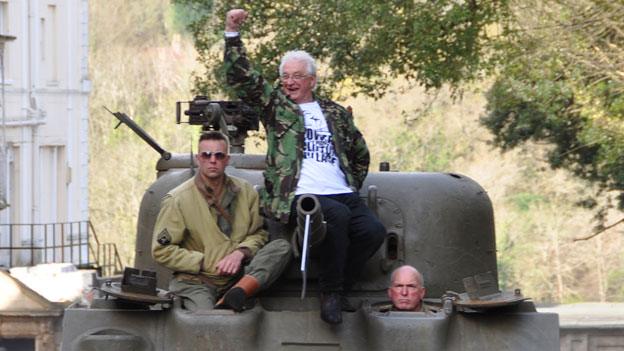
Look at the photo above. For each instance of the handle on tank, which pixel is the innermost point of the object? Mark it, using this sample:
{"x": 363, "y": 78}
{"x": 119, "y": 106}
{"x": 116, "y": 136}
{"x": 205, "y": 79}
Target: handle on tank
{"x": 372, "y": 199}
{"x": 304, "y": 256}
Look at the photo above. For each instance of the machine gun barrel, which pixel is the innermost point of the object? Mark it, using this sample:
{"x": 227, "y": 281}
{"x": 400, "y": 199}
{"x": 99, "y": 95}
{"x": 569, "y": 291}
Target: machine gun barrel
{"x": 232, "y": 118}
{"x": 125, "y": 119}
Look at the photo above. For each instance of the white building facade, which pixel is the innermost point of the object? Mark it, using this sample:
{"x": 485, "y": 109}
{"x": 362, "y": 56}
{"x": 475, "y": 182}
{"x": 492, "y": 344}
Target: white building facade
{"x": 44, "y": 131}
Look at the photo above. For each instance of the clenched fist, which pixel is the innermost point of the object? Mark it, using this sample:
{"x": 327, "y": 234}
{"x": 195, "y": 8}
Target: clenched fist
{"x": 234, "y": 19}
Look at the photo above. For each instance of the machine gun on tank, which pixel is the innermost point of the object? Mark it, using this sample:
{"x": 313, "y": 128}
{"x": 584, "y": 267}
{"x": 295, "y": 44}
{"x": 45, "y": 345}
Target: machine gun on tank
{"x": 233, "y": 118}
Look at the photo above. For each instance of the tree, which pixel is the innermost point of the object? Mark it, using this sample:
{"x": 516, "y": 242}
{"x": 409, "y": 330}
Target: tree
{"x": 362, "y": 45}
{"x": 562, "y": 82}
{"x": 559, "y": 64}
{"x": 140, "y": 67}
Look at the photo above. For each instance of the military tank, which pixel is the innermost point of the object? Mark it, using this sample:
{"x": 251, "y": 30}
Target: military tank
{"x": 441, "y": 223}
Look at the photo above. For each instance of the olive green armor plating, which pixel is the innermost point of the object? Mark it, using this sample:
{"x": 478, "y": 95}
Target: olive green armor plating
{"x": 440, "y": 223}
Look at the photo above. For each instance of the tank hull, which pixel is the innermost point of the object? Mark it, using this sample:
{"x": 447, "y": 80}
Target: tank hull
{"x": 262, "y": 328}
{"x": 443, "y": 224}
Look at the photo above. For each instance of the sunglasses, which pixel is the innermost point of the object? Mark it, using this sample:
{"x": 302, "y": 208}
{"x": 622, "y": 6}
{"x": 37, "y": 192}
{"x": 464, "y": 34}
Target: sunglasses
{"x": 206, "y": 155}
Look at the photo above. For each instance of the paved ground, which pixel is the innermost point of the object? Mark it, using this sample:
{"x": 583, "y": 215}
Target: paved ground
{"x": 588, "y": 314}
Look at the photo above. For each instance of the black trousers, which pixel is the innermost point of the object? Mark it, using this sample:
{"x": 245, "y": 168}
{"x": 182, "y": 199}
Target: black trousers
{"x": 353, "y": 235}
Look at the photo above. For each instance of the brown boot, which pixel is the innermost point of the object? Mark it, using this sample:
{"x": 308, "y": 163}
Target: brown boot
{"x": 236, "y": 296}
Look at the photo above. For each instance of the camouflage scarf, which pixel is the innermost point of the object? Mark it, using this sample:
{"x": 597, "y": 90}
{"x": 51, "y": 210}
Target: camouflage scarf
{"x": 224, "y": 208}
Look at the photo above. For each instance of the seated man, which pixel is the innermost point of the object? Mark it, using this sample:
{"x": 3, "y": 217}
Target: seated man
{"x": 209, "y": 228}
{"x": 313, "y": 148}
{"x": 406, "y": 290}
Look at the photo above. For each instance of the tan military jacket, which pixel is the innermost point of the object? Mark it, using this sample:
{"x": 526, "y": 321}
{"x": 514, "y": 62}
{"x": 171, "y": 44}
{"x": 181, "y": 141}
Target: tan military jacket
{"x": 186, "y": 230}
{"x": 389, "y": 307}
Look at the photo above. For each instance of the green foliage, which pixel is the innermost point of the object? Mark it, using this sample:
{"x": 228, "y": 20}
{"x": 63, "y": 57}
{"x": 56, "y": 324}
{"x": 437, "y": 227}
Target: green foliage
{"x": 411, "y": 152}
{"x": 561, "y": 83}
{"x": 136, "y": 23}
{"x": 362, "y": 44}
{"x": 536, "y": 234}
{"x": 424, "y": 144}
{"x": 523, "y": 201}
{"x": 137, "y": 66}
{"x": 183, "y": 14}
{"x": 616, "y": 283}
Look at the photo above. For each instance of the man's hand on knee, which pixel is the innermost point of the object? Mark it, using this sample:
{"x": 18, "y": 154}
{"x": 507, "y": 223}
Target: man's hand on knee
{"x": 230, "y": 264}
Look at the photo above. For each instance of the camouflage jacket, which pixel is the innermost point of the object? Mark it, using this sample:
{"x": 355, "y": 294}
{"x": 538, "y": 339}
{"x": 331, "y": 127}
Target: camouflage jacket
{"x": 283, "y": 122}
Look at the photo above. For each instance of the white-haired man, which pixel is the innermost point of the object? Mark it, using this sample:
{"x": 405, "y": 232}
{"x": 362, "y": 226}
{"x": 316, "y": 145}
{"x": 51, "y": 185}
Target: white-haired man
{"x": 313, "y": 147}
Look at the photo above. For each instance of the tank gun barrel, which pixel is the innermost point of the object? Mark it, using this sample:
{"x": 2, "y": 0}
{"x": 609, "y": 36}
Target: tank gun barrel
{"x": 311, "y": 229}
{"x": 125, "y": 119}
{"x": 309, "y": 204}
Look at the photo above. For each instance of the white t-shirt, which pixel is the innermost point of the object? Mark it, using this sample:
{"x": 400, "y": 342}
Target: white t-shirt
{"x": 320, "y": 170}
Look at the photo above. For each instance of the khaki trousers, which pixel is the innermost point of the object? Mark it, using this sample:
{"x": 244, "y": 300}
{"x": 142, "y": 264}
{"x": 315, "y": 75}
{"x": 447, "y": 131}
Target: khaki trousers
{"x": 266, "y": 266}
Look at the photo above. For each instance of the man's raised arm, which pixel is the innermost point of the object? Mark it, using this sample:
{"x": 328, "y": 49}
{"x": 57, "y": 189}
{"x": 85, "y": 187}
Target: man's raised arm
{"x": 247, "y": 83}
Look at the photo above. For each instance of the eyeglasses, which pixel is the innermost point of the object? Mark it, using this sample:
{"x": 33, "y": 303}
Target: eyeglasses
{"x": 296, "y": 77}
{"x": 206, "y": 155}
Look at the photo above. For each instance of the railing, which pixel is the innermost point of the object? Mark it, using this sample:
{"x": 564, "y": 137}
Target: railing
{"x": 64, "y": 242}
{"x": 106, "y": 255}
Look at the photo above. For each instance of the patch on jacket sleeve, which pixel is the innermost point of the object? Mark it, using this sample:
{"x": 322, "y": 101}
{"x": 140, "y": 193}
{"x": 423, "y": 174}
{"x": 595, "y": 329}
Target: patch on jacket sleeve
{"x": 164, "y": 238}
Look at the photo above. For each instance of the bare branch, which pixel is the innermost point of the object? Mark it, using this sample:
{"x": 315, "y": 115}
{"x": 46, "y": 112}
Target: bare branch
{"x": 600, "y": 231}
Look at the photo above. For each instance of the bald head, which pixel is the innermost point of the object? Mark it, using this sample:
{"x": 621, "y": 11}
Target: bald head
{"x": 409, "y": 271}
{"x": 406, "y": 289}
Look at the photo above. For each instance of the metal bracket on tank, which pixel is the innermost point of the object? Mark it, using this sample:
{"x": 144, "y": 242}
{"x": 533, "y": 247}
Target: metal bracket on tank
{"x": 137, "y": 287}
{"x": 391, "y": 216}
{"x": 482, "y": 294}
